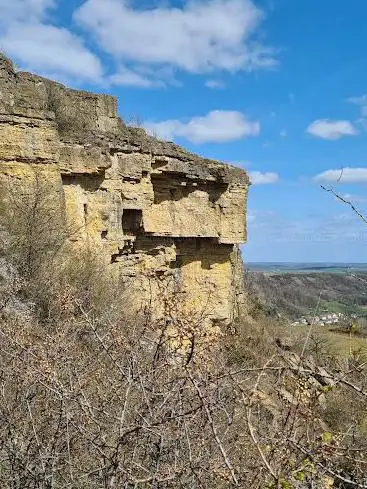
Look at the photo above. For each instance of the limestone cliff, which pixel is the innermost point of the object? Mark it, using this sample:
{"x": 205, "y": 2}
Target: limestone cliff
{"x": 150, "y": 208}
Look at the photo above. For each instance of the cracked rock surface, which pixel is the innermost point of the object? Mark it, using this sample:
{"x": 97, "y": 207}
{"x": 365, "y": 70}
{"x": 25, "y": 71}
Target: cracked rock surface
{"x": 147, "y": 207}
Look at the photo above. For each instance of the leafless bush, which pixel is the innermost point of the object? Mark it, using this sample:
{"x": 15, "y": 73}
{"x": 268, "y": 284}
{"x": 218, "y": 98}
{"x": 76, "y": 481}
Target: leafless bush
{"x": 33, "y": 224}
{"x": 34, "y": 241}
{"x": 94, "y": 398}
{"x": 99, "y": 401}
{"x": 68, "y": 122}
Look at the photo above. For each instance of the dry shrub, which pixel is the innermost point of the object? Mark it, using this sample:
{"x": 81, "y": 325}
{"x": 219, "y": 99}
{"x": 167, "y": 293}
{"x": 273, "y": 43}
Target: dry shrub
{"x": 94, "y": 401}
{"x": 91, "y": 397}
{"x": 97, "y": 399}
{"x": 48, "y": 274}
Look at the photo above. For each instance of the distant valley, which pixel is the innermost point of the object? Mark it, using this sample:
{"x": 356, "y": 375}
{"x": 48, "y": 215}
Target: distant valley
{"x": 294, "y": 290}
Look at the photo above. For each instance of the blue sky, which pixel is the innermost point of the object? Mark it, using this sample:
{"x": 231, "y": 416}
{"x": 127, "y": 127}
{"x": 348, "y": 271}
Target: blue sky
{"x": 278, "y": 87}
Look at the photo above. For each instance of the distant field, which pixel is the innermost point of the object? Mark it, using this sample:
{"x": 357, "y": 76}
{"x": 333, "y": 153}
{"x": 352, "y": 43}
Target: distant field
{"x": 337, "y": 343}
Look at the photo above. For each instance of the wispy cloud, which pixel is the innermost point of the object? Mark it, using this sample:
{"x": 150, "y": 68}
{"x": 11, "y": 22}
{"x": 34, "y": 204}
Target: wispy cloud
{"x": 360, "y": 199}
{"x": 361, "y": 101}
{"x": 331, "y": 129}
{"x": 291, "y": 97}
{"x": 218, "y": 126}
{"x": 129, "y": 78}
{"x": 276, "y": 228}
{"x": 345, "y": 175}
{"x": 215, "y": 84}
{"x": 259, "y": 178}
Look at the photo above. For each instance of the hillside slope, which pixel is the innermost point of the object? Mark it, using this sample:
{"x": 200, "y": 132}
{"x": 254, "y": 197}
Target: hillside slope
{"x": 295, "y": 294}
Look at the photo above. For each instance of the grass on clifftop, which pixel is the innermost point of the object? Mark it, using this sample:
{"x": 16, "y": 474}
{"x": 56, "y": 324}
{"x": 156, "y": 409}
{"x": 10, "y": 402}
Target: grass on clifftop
{"x": 335, "y": 342}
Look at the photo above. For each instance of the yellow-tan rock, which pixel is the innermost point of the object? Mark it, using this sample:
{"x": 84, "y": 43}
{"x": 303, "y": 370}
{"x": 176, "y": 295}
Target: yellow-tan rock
{"x": 149, "y": 208}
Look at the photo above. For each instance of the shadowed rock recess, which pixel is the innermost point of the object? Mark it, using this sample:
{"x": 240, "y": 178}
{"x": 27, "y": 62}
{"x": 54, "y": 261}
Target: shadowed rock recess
{"x": 149, "y": 208}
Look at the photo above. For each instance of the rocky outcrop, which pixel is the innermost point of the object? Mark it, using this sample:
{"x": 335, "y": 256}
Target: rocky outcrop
{"x": 150, "y": 208}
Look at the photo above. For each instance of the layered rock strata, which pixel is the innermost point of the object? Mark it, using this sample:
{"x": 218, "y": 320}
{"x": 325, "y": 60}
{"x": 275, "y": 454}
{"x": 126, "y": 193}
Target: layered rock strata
{"x": 149, "y": 208}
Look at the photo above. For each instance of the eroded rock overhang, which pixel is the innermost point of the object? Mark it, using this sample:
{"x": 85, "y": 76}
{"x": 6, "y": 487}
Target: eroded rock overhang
{"x": 145, "y": 204}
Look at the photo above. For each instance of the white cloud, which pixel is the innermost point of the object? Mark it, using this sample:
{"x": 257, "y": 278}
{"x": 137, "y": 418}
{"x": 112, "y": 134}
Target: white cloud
{"x": 218, "y": 126}
{"x": 345, "y": 175}
{"x": 361, "y": 199}
{"x": 215, "y": 84}
{"x": 127, "y": 77}
{"x": 259, "y": 178}
{"x": 331, "y": 130}
{"x": 197, "y": 37}
{"x": 278, "y": 228}
{"x": 362, "y": 122}
{"x": 36, "y": 45}
{"x": 24, "y": 10}
{"x": 50, "y": 50}
{"x": 145, "y": 43}
{"x": 361, "y": 101}
{"x": 242, "y": 163}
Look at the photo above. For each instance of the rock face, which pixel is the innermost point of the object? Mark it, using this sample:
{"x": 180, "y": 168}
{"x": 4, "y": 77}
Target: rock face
{"x": 150, "y": 208}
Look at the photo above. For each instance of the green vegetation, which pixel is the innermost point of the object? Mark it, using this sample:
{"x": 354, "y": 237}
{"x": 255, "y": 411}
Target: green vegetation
{"x": 297, "y": 294}
{"x": 348, "y": 309}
